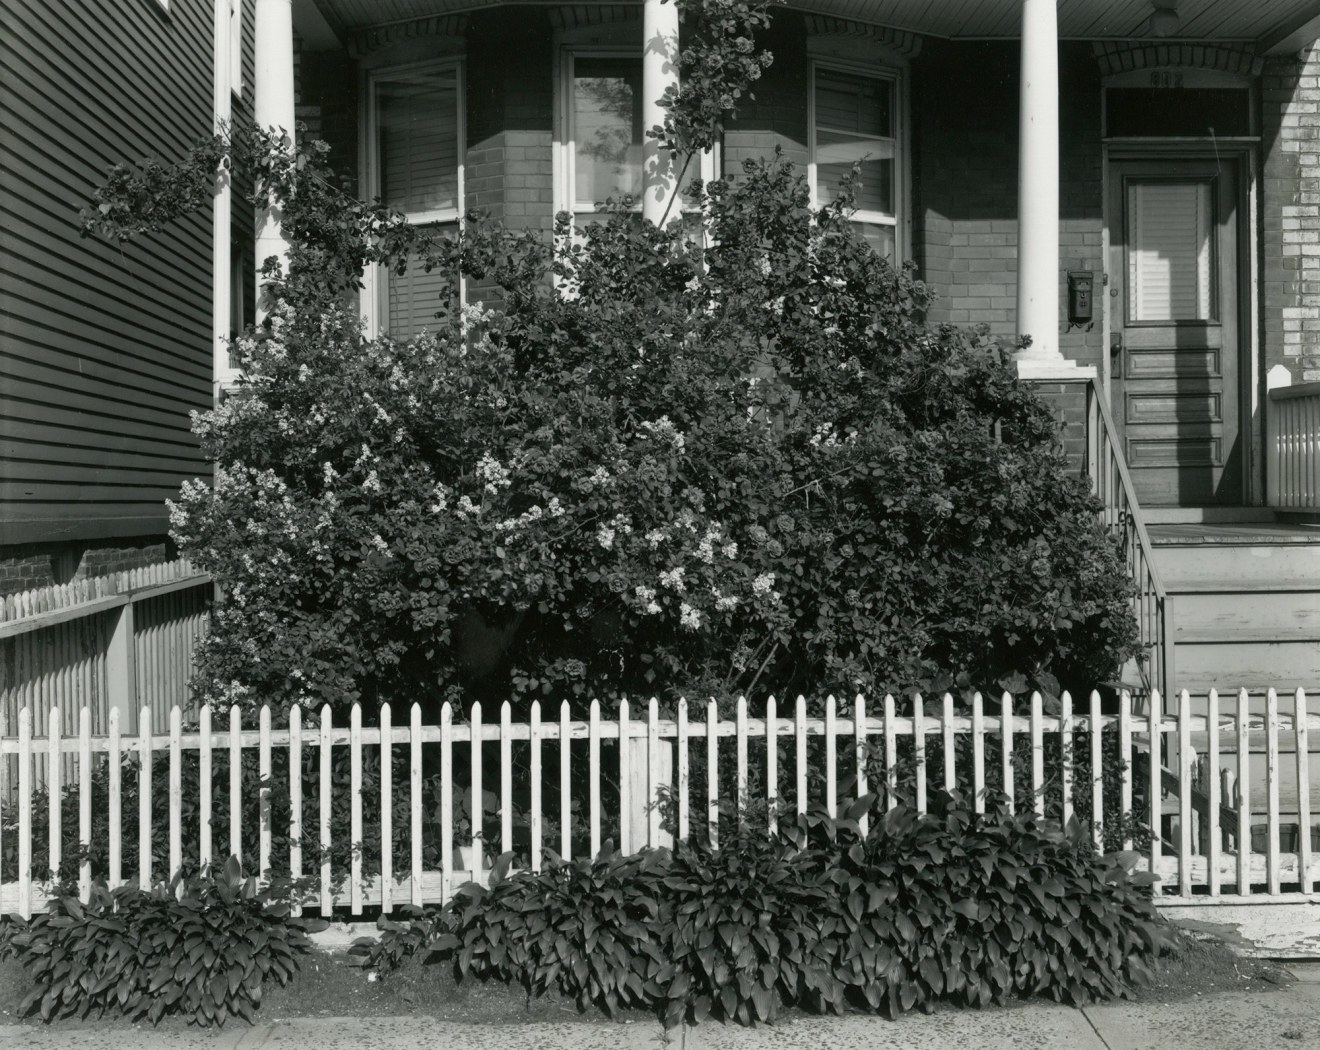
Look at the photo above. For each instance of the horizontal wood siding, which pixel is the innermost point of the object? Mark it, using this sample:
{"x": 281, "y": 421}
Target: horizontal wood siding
{"x": 104, "y": 349}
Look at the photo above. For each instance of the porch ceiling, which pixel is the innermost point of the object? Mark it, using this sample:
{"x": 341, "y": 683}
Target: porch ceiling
{"x": 1263, "y": 22}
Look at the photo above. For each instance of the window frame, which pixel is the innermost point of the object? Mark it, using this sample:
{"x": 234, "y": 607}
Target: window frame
{"x": 565, "y": 139}
{"x": 896, "y": 75}
{"x": 375, "y": 290}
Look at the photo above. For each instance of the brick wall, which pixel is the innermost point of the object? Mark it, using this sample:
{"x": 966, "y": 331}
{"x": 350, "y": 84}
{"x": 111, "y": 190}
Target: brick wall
{"x": 778, "y": 114}
{"x": 965, "y": 183}
{"x": 1068, "y": 402}
{"x": 24, "y": 568}
{"x": 1290, "y": 211}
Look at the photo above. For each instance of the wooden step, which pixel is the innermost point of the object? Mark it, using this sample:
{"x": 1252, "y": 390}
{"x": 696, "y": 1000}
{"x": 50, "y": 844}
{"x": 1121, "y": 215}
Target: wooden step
{"x": 1260, "y": 567}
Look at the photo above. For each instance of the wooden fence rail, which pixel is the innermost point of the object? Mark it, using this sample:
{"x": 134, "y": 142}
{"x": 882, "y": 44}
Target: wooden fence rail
{"x": 115, "y": 642}
{"x": 414, "y": 794}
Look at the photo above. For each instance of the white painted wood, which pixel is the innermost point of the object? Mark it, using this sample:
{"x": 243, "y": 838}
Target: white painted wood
{"x": 121, "y": 668}
{"x": 204, "y": 773}
{"x": 1125, "y": 759}
{"x": 891, "y": 754}
{"x": 55, "y": 789}
{"x": 1038, "y": 191}
{"x": 1272, "y": 791}
{"x": 25, "y": 815}
{"x": 144, "y": 798}
{"x": 740, "y": 757}
{"x": 593, "y": 776}
{"x": 978, "y": 752}
{"x": 235, "y": 782}
{"x": 660, "y": 203}
{"x": 712, "y": 776}
{"x": 625, "y": 843}
{"x": 1037, "y": 756}
{"x": 684, "y": 769}
{"x": 1066, "y": 757}
{"x": 1155, "y": 778}
{"x": 652, "y": 771}
{"x": 114, "y": 799}
{"x": 831, "y": 772}
{"x": 476, "y": 804}
{"x": 355, "y": 807}
{"x": 565, "y": 785}
{"x": 1214, "y": 841}
{"x": 947, "y": 738}
{"x": 919, "y": 748}
{"x": 1006, "y": 743}
{"x": 1095, "y": 728}
{"x": 295, "y": 799}
{"x": 1243, "y": 795}
{"x": 1285, "y": 929}
{"x": 415, "y": 803}
{"x": 263, "y": 793}
{"x": 176, "y": 792}
{"x": 800, "y": 738}
{"x": 506, "y": 778}
{"x": 273, "y": 107}
{"x": 85, "y": 801}
{"x": 534, "y": 775}
{"x": 326, "y": 787}
{"x": 1301, "y": 746}
{"x": 860, "y": 755}
{"x": 386, "y": 809}
{"x": 1186, "y": 815}
{"x": 447, "y": 779}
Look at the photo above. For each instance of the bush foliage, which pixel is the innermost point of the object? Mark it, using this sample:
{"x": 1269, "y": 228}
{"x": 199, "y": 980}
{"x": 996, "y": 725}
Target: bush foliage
{"x": 663, "y": 462}
{"x": 947, "y": 906}
{"x": 201, "y": 947}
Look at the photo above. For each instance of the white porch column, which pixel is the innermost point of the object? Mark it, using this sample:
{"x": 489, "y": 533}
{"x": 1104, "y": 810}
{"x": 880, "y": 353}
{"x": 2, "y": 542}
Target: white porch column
{"x": 1038, "y": 194}
{"x": 659, "y": 71}
{"x": 272, "y": 106}
{"x": 221, "y": 258}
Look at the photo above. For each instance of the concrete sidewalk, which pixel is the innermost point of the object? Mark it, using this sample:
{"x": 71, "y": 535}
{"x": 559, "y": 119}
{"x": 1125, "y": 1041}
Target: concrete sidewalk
{"x": 1286, "y": 1018}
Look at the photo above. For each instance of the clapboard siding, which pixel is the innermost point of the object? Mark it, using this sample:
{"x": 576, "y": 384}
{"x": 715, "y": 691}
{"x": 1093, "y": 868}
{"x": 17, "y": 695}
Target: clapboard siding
{"x": 104, "y": 349}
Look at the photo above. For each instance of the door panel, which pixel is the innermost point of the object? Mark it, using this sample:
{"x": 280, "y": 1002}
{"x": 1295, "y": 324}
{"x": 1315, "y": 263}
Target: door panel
{"x": 1173, "y": 310}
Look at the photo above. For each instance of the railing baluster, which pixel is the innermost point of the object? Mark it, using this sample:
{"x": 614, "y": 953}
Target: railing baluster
{"x": 1244, "y": 795}
{"x": 1214, "y": 833}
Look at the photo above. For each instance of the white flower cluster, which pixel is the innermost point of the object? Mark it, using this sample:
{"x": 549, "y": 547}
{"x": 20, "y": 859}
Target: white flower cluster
{"x": 493, "y": 473}
{"x": 672, "y": 579}
{"x": 606, "y": 534}
{"x": 664, "y": 429}
{"x": 646, "y": 595}
{"x": 689, "y": 617}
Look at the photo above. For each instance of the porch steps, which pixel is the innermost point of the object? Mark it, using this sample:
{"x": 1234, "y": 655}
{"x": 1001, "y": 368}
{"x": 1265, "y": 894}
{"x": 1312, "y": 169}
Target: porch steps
{"x": 1246, "y": 604}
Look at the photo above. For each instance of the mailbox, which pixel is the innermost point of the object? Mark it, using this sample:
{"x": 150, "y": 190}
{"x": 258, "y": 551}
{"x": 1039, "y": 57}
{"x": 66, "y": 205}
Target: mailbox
{"x": 1081, "y": 286}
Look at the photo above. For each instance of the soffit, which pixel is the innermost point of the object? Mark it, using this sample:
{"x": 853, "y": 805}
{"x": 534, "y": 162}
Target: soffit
{"x": 1258, "y": 21}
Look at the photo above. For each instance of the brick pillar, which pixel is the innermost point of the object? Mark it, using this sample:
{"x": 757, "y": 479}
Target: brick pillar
{"x": 1290, "y": 263}
{"x": 1068, "y": 401}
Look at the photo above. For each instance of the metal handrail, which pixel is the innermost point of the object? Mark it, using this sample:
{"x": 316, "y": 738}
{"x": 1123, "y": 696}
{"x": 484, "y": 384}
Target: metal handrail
{"x": 1121, "y": 513}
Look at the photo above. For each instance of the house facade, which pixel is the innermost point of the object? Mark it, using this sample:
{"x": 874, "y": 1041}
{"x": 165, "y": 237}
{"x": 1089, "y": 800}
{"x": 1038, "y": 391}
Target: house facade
{"x": 104, "y": 350}
{"x": 1134, "y": 184}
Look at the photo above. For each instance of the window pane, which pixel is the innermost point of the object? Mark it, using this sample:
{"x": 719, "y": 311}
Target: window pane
{"x": 417, "y": 118}
{"x": 880, "y": 237}
{"x": 415, "y": 297}
{"x": 856, "y": 104}
{"x": 1170, "y": 258}
{"x": 854, "y": 124}
{"x": 607, "y": 129}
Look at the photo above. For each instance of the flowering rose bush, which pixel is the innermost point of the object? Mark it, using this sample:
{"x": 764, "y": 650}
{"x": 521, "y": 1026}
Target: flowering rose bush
{"x": 662, "y": 463}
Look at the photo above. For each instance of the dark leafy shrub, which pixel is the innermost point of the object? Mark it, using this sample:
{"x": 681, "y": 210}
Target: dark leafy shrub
{"x": 657, "y": 467}
{"x": 201, "y": 947}
{"x": 948, "y": 905}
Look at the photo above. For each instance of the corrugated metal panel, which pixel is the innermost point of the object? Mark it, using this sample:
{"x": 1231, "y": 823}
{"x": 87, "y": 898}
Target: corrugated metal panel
{"x": 103, "y": 350}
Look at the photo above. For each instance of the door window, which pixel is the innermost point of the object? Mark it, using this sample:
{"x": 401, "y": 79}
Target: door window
{"x": 1170, "y": 259}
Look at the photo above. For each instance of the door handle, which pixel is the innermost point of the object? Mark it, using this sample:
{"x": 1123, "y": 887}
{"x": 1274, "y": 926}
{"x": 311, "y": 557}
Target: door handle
{"x": 1116, "y": 354}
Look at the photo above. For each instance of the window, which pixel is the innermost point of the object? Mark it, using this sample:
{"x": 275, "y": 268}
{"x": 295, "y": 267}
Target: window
{"x": 1170, "y": 257}
{"x": 415, "y": 166}
{"x": 602, "y": 151}
{"x": 855, "y": 118}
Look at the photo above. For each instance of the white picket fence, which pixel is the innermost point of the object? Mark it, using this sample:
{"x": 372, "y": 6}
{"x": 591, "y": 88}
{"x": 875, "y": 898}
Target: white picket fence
{"x": 1201, "y": 845}
{"x": 119, "y": 641}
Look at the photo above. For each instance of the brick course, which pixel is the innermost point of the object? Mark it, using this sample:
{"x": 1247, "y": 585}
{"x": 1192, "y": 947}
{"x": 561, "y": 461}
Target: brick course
{"x": 1290, "y": 219}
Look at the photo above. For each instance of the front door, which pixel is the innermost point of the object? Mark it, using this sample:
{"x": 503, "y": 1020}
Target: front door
{"x": 1173, "y": 283}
